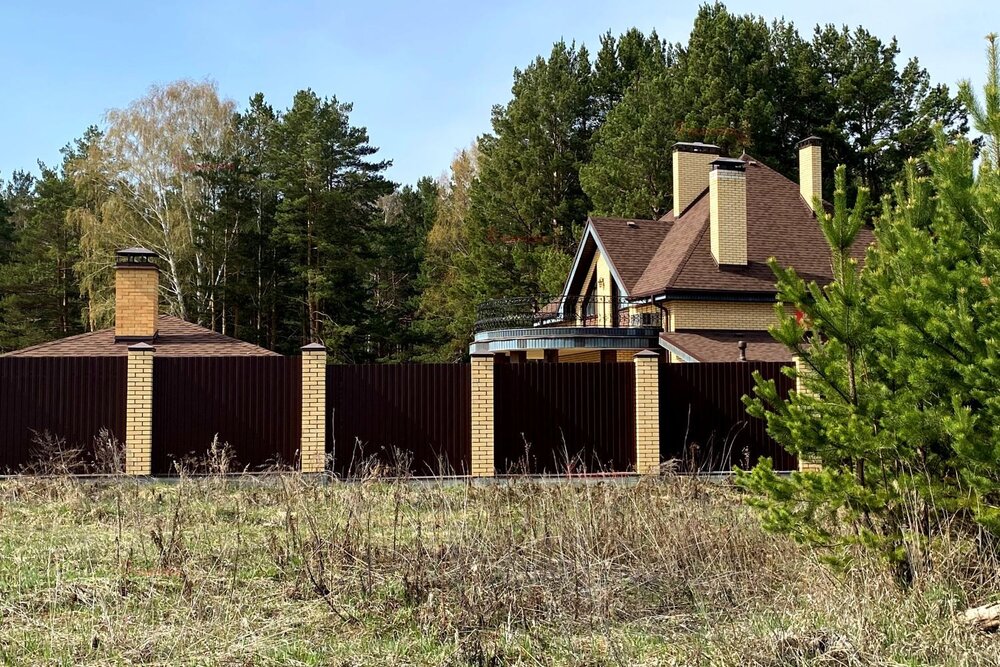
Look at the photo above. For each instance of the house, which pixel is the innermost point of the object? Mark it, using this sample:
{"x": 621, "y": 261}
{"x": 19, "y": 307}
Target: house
{"x": 694, "y": 284}
{"x": 137, "y": 320}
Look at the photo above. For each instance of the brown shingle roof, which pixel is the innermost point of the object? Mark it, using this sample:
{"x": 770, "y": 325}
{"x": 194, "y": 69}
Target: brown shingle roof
{"x": 630, "y": 243}
{"x": 176, "y": 338}
{"x": 707, "y": 346}
{"x": 779, "y": 224}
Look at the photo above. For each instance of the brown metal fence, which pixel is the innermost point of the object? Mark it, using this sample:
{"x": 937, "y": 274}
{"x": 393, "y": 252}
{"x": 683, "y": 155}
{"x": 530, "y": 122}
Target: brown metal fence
{"x": 560, "y": 418}
{"x": 703, "y": 422}
{"x": 71, "y": 398}
{"x": 415, "y": 416}
{"x": 253, "y": 404}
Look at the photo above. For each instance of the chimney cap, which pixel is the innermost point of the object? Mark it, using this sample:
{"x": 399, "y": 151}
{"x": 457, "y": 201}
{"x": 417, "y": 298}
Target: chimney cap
{"x": 729, "y": 164}
{"x": 136, "y": 251}
{"x": 742, "y": 345}
{"x": 696, "y": 147}
{"x": 138, "y": 258}
{"x": 809, "y": 141}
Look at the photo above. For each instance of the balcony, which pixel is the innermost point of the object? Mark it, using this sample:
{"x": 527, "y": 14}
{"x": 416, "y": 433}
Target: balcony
{"x": 572, "y": 324}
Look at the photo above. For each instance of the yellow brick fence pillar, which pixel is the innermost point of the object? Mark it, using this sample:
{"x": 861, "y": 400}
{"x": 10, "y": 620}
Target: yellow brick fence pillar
{"x": 647, "y": 412}
{"x": 482, "y": 415}
{"x": 139, "y": 410}
{"x": 801, "y": 370}
{"x": 312, "y": 451}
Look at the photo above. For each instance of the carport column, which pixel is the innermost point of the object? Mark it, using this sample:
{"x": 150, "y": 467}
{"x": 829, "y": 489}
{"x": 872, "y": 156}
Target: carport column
{"x": 482, "y": 415}
{"x": 801, "y": 370}
{"x": 139, "y": 410}
{"x": 647, "y": 412}
{"x": 312, "y": 451}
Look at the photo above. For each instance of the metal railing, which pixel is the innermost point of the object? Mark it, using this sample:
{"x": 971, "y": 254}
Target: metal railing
{"x": 560, "y": 311}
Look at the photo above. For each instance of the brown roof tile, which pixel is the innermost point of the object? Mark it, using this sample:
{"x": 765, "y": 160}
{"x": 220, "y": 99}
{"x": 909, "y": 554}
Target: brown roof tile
{"x": 779, "y": 224}
{"x": 707, "y": 346}
{"x": 176, "y": 338}
{"x": 630, "y": 243}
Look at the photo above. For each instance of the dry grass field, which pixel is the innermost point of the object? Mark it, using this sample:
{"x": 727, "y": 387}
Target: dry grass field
{"x": 286, "y": 570}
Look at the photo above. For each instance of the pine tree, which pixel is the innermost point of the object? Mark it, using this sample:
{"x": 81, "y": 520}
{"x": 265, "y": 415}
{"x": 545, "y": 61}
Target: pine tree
{"x": 900, "y": 376}
{"x": 400, "y": 245}
{"x": 630, "y": 174}
{"x": 6, "y": 230}
{"x": 986, "y": 114}
{"x": 329, "y": 186}
{"x": 39, "y": 291}
{"x": 881, "y": 115}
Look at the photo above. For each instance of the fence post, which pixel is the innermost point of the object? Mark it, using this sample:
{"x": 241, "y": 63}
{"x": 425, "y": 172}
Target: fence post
{"x": 483, "y": 464}
{"x": 805, "y": 465}
{"x": 647, "y": 412}
{"x": 139, "y": 410}
{"x": 312, "y": 450}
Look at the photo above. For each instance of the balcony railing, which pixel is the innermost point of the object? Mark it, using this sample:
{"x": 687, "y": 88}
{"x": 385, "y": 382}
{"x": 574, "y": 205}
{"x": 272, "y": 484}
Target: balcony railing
{"x": 560, "y": 311}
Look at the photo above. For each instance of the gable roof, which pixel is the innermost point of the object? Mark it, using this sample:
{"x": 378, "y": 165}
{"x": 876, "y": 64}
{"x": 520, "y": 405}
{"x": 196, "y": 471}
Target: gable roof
{"x": 176, "y": 338}
{"x": 655, "y": 256}
{"x": 629, "y": 244}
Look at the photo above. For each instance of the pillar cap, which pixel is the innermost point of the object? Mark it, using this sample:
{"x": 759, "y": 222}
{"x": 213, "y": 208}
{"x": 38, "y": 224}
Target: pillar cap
{"x": 646, "y": 354}
{"x": 314, "y": 347}
{"x": 141, "y": 347}
{"x": 481, "y": 355}
{"x": 809, "y": 141}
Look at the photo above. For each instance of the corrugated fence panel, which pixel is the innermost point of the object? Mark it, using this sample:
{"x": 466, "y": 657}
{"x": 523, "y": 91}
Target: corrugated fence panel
{"x": 703, "y": 422}
{"x": 252, "y": 403}
{"x": 418, "y": 415}
{"x": 559, "y": 418}
{"x": 70, "y": 397}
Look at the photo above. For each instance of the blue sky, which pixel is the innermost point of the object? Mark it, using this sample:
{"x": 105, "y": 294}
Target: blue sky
{"x": 422, "y": 77}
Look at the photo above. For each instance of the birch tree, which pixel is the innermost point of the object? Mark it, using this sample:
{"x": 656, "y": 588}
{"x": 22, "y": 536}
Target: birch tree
{"x": 151, "y": 162}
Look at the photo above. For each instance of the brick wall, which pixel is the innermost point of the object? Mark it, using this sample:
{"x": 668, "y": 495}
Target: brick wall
{"x": 626, "y": 355}
{"x": 139, "y": 410}
{"x": 690, "y": 177}
{"x": 136, "y": 301}
{"x": 647, "y": 412}
{"x": 588, "y": 357}
{"x": 313, "y": 449}
{"x": 801, "y": 370}
{"x": 810, "y": 172}
{"x": 728, "y": 210}
{"x": 483, "y": 416}
{"x": 720, "y": 315}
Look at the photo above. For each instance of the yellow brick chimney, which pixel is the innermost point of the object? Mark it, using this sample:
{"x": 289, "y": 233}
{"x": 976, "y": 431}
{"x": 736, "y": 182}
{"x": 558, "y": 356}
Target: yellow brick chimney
{"x": 811, "y": 170}
{"x": 691, "y": 167}
{"x": 137, "y": 283}
{"x": 727, "y": 191}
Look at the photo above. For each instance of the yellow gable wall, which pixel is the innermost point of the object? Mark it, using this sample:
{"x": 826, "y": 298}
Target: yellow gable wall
{"x": 605, "y": 309}
{"x": 600, "y": 272}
